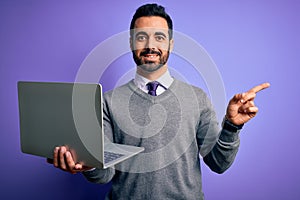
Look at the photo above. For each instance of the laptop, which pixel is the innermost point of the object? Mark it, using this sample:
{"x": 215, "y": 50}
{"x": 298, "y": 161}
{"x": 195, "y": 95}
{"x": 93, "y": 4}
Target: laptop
{"x": 70, "y": 114}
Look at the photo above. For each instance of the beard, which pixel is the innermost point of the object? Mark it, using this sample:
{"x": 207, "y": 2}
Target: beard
{"x": 150, "y": 66}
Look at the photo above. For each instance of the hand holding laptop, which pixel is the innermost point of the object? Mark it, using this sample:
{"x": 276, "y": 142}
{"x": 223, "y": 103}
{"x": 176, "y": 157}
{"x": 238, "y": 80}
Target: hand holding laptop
{"x": 62, "y": 159}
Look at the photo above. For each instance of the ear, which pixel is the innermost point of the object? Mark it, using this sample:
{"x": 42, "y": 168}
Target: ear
{"x": 171, "y": 45}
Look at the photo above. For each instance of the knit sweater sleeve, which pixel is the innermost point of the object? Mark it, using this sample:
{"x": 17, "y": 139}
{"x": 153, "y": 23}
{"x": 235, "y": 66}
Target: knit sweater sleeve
{"x": 217, "y": 147}
{"x": 221, "y": 157}
{"x": 100, "y": 176}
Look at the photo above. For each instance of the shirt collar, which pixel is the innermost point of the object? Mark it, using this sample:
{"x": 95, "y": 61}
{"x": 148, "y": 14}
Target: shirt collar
{"x": 166, "y": 80}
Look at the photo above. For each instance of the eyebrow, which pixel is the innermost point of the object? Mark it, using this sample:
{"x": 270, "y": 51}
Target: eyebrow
{"x": 141, "y": 33}
{"x": 161, "y": 33}
{"x": 144, "y": 33}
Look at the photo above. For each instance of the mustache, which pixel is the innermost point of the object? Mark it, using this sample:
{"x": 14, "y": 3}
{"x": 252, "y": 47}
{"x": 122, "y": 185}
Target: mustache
{"x": 149, "y": 51}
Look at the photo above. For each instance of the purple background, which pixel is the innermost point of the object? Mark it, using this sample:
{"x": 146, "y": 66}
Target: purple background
{"x": 250, "y": 41}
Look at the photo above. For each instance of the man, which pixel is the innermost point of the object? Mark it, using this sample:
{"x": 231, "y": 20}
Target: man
{"x": 171, "y": 119}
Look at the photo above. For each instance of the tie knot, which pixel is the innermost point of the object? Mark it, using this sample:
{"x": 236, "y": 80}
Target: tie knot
{"x": 152, "y": 86}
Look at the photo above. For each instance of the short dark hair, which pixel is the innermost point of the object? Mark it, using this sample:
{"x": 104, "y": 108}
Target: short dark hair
{"x": 149, "y": 10}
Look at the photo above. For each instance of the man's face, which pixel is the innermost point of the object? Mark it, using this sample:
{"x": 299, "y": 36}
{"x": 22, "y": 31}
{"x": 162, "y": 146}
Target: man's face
{"x": 150, "y": 43}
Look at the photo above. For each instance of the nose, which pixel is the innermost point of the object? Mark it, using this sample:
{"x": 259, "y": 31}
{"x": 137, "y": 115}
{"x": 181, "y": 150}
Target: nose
{"x": 151, "y": 43}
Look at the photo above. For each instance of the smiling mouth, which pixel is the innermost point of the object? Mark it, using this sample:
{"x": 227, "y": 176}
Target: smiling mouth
{"x": 150, "y": 55}
{"x": 150, "y": 58}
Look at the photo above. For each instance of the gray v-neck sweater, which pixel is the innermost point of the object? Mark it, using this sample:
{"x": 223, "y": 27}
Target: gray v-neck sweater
{"x": 174, "y": 128}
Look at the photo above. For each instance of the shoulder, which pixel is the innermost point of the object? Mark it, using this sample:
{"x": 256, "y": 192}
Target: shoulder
{"x": 121, "y": 94}
{"x": 123, "y": 89}
{"x": 185, "y": 88}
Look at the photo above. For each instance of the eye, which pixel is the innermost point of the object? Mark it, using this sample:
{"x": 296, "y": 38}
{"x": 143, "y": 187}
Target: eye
{"x": 160, "y": 38}
{"x": 141, "y": 38}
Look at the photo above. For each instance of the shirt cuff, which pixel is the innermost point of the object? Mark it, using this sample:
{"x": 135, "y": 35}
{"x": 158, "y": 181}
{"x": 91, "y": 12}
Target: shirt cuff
{"x": 89, "y": 170}
{"x": 227, "y": 125}
{"x": 230, "y": 131}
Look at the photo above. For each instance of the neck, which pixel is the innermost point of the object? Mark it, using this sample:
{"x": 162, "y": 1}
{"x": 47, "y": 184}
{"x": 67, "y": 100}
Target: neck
{"x": 152, "y": 75}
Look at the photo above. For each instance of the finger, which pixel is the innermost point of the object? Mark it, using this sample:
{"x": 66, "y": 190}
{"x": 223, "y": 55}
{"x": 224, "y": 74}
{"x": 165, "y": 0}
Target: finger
{"x": 78, "y": 166}
{"x": 61, "y": 159}
{"x": 249, "y": 110}
{"x": 69, "y": 161}
{"x": 248, "y": 96}
{"x": 259, "y": 87}
{"x": 244, "y": 107}
{"x": 55, "y": 156}
{"x": 242, "y": 98}
{"x": 236, "y": 99}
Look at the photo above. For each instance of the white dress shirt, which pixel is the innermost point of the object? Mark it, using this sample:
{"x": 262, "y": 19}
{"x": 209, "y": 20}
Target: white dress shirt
{"x": 166, "y": 80}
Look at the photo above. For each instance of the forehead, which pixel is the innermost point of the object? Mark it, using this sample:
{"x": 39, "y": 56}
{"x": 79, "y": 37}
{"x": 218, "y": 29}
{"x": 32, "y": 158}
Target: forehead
{"x": 153, "y": 23}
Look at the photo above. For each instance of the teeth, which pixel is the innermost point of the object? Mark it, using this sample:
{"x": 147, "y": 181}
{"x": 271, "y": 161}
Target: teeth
{"x": 151, "y": 56}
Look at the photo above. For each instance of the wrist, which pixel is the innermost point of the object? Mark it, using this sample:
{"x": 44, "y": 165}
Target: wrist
{"x": 228, "y": 125}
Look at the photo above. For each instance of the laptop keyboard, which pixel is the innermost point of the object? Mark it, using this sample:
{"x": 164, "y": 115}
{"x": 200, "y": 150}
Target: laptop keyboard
{"x": 110, "y": 156}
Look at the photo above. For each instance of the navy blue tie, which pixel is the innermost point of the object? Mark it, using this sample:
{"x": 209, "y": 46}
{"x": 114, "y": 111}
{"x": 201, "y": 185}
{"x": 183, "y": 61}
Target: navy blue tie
{"x": 152, "y": 86}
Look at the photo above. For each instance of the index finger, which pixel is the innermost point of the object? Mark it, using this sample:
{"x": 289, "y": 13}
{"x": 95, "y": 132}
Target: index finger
{"x": 259, "y": 87}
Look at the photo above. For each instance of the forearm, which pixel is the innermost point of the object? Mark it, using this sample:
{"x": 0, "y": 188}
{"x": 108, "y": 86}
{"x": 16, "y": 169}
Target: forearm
{"x": 100, "y": 176}
{"x": 222, "y": 155}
